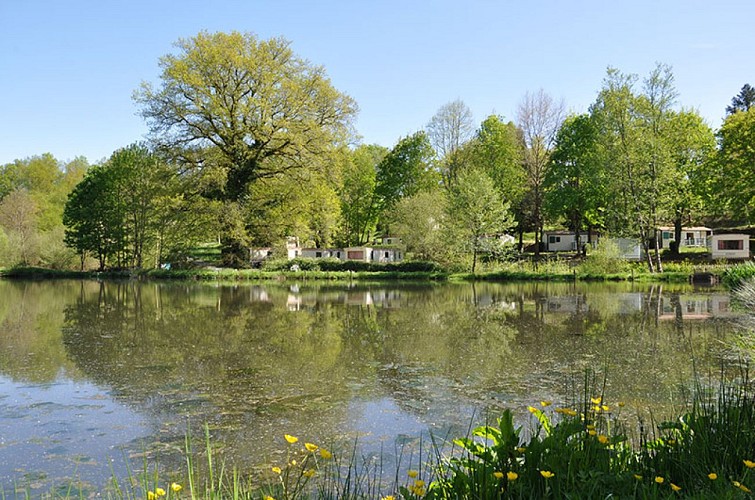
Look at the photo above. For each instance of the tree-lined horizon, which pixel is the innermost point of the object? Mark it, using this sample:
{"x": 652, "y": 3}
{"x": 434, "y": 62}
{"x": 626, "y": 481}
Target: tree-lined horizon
{"x": 250, "y": 145}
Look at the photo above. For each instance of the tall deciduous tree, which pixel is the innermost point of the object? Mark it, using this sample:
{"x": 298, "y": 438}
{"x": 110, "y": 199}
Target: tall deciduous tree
{"x": 497, "y": 149}
{"x": 476, "y": 211}
{"x": 692, "y": 145}
{"x": 95, "y": 217}
{"x": 449, "y": 129}
{"x": 19, "y": 216}
{"x": 357, "y": 193}
{"x": 635, "y": 131}
{"x": 244, "y": 109}
{"x": 575, "y": 181}
{"x": 539, "y": 117}
{"x": 406, "y": 170}
{"x": 731, "y": 174}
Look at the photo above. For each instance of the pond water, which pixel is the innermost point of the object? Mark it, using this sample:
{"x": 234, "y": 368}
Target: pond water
{"x": 95, "y": 375}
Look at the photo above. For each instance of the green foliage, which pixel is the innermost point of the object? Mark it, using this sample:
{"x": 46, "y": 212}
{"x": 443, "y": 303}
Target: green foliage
{"x": 575, "y": 182}
{"x": 730, "y": 177}
{"x": 357, "y": 194}
{"x": 605, "y": 259}
{"x": 475, "y": 212}
{"x": 418, "y": 220}
{"x": 251, "y": 106}
{"x": 738, "y": 274}
{"x": 406, "y": 170}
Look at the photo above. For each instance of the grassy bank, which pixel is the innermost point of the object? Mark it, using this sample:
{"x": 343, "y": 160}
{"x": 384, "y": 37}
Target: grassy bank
{"x": 549, "y": 271}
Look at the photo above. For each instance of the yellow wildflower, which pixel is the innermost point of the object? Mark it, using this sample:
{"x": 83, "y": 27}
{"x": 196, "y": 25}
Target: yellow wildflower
{"x": 605, "y": 407}
{"x": 175, "y": 487}
{"x": 308, "y": 473}
{"x": 277, "y": 470}
{"x": 311, "y": 447}
{"x": 419, "y": 483}
{"x": 151, "y": 495}
{"x": 521, "y": 449}
{"x": 671, "y": 442}
{"x": 268, "y": 497}
{"x": 603, "y": 439}
{"x": 712, "y": 476}
{"x": 592, "y": 432}
{"x": 418, "y": 490}
{"x": 159, "y": 492}
{"x": 412, "y": 473}
{"x": 621, "y": 404}
{"x": 546, "y": 474}
{"x": 498, "y": 474}
{"x": 545, "y": 403}
{"x": 749, "y": 463}
{"x": 388, "y": 497}
{"x": 596, "y": 401}
{"x": 590, "y": 427}
{"x": 741, "y": 486}
{"x": 675, "y": 487}
{"x": 596, "y": 409}
{"x": 291, "y": 439}
{"x": 637, "y": 476}
{"x": 325, "y": 454}
{"x": 293, "y": 462}
{"x": 511, "y": 475}
{"x": 532, "y": 409}
{"x": 659, "y": 479}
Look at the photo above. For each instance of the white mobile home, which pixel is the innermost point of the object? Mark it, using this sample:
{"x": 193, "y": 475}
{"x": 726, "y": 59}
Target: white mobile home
{"x": 321, "y": 253}
{"x": 564, "y": 241}
{"x": 373, "y": 254}
{"x": 691, "y": 236}
{"x": 729, "y": 246}
{"x": 629, "y": 249}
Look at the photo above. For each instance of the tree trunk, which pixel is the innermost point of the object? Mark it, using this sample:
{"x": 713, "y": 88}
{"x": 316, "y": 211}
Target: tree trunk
{"x": 677, "y": 234}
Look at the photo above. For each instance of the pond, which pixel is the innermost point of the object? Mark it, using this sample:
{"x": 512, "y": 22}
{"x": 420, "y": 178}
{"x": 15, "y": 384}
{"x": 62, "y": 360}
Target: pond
{"x": 98, "y": 375}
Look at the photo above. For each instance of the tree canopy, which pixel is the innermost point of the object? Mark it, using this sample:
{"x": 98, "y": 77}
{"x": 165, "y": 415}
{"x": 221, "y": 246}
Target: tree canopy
{"x": 243, "y": 108}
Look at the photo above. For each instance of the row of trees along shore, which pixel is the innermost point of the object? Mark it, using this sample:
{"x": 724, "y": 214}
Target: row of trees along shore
{"x": 250, "y": 144}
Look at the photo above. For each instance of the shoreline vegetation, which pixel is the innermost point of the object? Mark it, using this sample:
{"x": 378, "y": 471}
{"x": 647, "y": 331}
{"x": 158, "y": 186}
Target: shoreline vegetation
{"x": 586, "y": 446}
{"x": 730, "y": 276}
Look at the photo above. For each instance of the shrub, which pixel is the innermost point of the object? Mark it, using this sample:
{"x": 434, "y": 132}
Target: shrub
{"x": 605, "y": 259}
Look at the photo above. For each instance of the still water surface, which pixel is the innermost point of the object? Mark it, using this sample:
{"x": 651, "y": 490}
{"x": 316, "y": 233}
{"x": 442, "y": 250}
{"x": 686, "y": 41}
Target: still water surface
{"x": 94, "y": 374}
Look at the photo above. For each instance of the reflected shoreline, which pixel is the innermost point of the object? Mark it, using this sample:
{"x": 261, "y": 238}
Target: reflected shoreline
{"x": 327, "y": 361}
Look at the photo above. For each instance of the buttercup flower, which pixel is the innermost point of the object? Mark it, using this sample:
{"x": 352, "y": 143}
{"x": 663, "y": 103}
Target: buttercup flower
{"x": 151, "y": 495}
{"x": 160, "y": 492}
{"x": 741, "y": 486}
{"x": 175, "y": 487}
{"x": 325, "y": 454}
{"x": 498, "y": 474}
{"x": 291, "y": 439}
{"x": 592, "y": 432}
{"x": 511, "y": 475}
{"x": 308, "y": 473}
{"x": 545, "y": 403}
{"x": 596, "y": 401}
{"x": 603, "y": 439}
{"x": 712, "y": 476}
{"x": 675, "y": 487}
{"x": 412, "y": 473}
{"x": 419, "y": 483}
{"x": 389, "y": 497}
{"x": 659, "y": 479}
{"x": 637, "y": 476}
{"x": 268, "y": 497}
{"x": 521, "y": 449}
{"x": 749, "y": 463}
{"x": 311, "y": 447}
{"x": 277, "y": 470}
{"x": 546, "y": 474}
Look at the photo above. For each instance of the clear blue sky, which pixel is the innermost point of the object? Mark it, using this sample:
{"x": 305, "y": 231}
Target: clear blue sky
{"x": 68, "y": 67}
